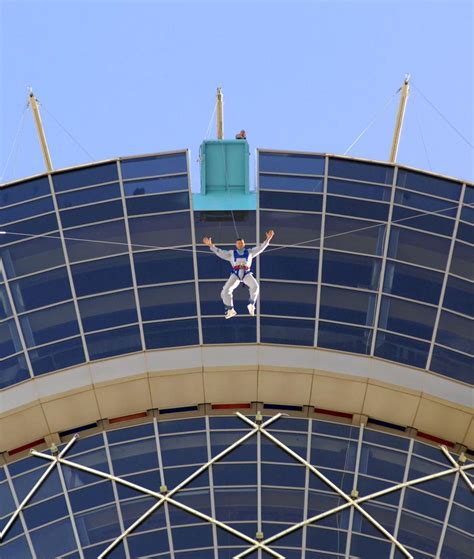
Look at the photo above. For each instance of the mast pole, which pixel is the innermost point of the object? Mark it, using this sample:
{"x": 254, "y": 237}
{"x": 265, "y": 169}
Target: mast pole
{"x": 220, "y": 114}
{"x": 405, "y": 89}
{"x": 39, "y": 128}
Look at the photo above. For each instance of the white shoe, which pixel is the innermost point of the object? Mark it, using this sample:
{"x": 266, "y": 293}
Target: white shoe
{"x": 251, "y": 308}
{"x": 230, "y": 313}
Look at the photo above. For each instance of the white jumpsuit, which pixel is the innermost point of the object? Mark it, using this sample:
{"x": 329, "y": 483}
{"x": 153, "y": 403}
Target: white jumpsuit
{"x": 240, "y": 275}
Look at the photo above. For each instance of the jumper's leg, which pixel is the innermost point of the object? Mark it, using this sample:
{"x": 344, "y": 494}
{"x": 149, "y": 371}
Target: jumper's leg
{"x": 254, "y": 290}
{"x": 230, "y": 285}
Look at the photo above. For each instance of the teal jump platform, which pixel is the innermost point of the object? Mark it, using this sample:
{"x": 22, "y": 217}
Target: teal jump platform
{"x": 224, "y": 176}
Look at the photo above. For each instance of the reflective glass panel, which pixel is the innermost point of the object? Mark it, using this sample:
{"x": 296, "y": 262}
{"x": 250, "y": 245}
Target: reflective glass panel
{"x": 22, "y": 191}
{"x": 154, "y": 165}
{"x": 107, "y": 311}
{"x": 413, "y": 283}
{"x": 95, "y": 241}
{"x": 237, "y": 330}
{"x": 344, "y": 338}
{"x": 467, "y": 214}
{"x": 220, "y": 226}
{"x": 418, "y": 248}
{"x": 211, "y": 302}
{"x": 466, "y": 233}
{"x": 291, "y": 183}
{"x": 172, "y": 333}
{"x": 102, "y": 275}
{"x": 88, "y": 196}
{"x": 157, "y": 204}
{"x": 291, "y": 163}
{"x": 351, "y": 270}
{"x": 156, "y": 185}
{"x": 291, "y": 264}
{"x": 357, "y": 208}
{"x": 5, "y": 307}
{"x": 354, "y": 235}
{"x": 407, "y": 318}
{"x": 48, "y": 325}
{"x": 41, "y": 290}
{"x": 29, "y": 227}
{"x": 114, "y": 342}
{"x": 292, "y": 228}
{"x": 23, "y": 211}
{"x": 13, "y": 370}
{"x": 286, "y": 331}
{"x": 32, "y": 255}
{"x": 429, "y": 184}
{"x": 168, "y": 301}
{"x": 404, "y": 350}
{"x": 164, "y": 230}
{"x": 343, "y": 305}
{"x": 9, "y": 339}
{"x": 86, "y": 176}
{"x": 163, "y": 266}
{"x": 60, "y": 533}
{"x": 360, "y": 171}
{"x": 291, "y": 201}
{"x": 57, "y": 356}
{"x": 416, "y": 219}
{"x": 359, "y": 190}
{"x": 286, "y": 299}
{"x": 461, "y": 263}
{"x": 452, "y": 364}
{"x": 427, "y": 203}
{"x": 456, "y": 332}
{"x": 91, "y": 214}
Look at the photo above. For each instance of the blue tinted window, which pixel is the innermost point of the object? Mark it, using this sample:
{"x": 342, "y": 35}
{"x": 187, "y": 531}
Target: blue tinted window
{"x": 403, "y": 350}
{"x": 171, "y": 334}
{"x": 291, "y": 264}
{"x": 459, "y": 296}
{"x": 407, "y": 318}
{"x": 357, "y": 208}
{"x": 161, "y": 230}
{"x": 292, "y": 228}
{"x": 16, "y": 548}
{"x": 360, "y": 171}
{"x": 114, "y": 342}
{"x": 286, "y": 331}
{"x": 413, "y": 283}
{"x": 343, "y": 305}
{"x": 41, "y": 290}
{"x": 211, "y": 302}
{"x": 169, "y": 301}
{"x": 333, "y": 453}
{"x": 457, "y": 545}
{"x": 221, "y": 331}
{"x": 9, "y": 340}
{"x": 141, "y": 545}
{"x": 134, "y": 456}
{"x": 88, "y": 195}
{"x": 416, "y": 219}
{"x": 351, "y": 270}
{"x": 94, "y": 241}
{"x": 291, "y": 163}
{"x": 5, "y": 307}
{"x": 210, "y": 266}
{"x": 102, "y": 275}
{"x": 98, "y": 524}
{"x": 291, "y": 183}
{"x": 47, "y": 325}
{"x": 291, "y": 201}
{"x": 24, "y": 191}
{"x": 354, "y": 235}
{"x": 184, "y": 449}
{"x": 467, "y": 214}
{"x": 91, "y": 214}
{"x": 30, "y": 227}
{"x": 344, "y": 338}
{"x": 45, "y": 512}
{"x": 163, "y": 266}
{"x": 13, "y": 370}
{"x": 57, "y": 356}
{"x": 107, "y": 311}
{"x": 220, "y": 226}
{"x": 466, "y": 233}
{"x": 156, "y": 204}
{"x": 461, "y": 263}
{"x": 441, "y": 207}
{"x": 60, "y": 533}
{"x": 156, "y": 186}
{"x": 32, "y": 255}
{"x": 130, "y": 433}
{"x": 418, "y": 248}
{"x": 288, "y": 299}
{"x": 22, "y": 211}
{"x": 85, "y": 177}
{"x": 359, "y": 190}
{"x": 421, "y": 502}
{"x": 429, "y": 184}
{"x": 455, "y": 332}
{"x": 154, "y": 165}
{"x": 92, "y": 496}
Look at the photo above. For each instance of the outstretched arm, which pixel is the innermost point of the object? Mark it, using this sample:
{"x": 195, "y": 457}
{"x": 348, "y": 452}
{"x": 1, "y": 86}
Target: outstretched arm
{"x": 261, "y": 247}
{"x": 224, "y": 254}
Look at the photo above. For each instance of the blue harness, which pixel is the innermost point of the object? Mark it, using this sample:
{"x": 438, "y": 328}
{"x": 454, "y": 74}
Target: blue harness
{"x": 236, "y": 269}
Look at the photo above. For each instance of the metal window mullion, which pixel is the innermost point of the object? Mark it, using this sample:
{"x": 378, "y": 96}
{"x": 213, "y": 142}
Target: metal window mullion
{"x": 306, "y": 489}
{"x": 354, "y": 488}
{"x": 194, "y": 252}
{"x": 22, "y": 519}
{"x": 16, "y": 319}
{"x": 68, "y": 268}
{"x": 211, "y": 488}
{"x": 378, "y": 302}
{"x": 402, "y": 496}
{"x": 257, "y": 238}
{"x": 321, "y": 250}
{"x": 163, "y": 481}
{"x": 445, "y": 278}
{"x": 259, "y": 486}
{"x": 70, "y": 512}
{"x": 447, "y": 515}
{"x": 116, "y": 496}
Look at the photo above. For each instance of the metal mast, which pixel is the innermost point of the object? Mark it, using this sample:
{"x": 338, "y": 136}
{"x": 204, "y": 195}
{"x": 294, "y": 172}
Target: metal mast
{"x": 39, "y": 128}
{"x": 405, "y": 89}
{"x": 220, "y": 114}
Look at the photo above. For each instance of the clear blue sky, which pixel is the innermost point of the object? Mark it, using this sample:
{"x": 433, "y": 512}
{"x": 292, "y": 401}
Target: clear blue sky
{"x": 140, "y": 76}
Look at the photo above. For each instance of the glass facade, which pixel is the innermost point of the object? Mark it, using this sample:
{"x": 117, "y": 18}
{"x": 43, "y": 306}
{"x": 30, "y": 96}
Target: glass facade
{"x": 256, "y": 486}
{"x": 107, "y": 259}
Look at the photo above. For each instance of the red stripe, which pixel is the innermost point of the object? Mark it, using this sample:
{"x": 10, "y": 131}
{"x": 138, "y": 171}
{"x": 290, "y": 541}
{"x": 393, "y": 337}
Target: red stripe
{"x": 435, "y": 439}
{"x": 230, "y": 406}
{"x": 128, "y": 417}
{"x": 26, "y": 447}
{"x": 335, "y": 413}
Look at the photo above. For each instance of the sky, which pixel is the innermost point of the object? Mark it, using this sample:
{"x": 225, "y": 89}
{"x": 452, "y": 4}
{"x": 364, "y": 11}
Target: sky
{"x": 133, "y": 77}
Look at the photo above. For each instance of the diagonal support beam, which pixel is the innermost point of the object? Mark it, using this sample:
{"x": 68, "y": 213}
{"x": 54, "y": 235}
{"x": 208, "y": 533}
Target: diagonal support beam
{"x": 459, "y": 466}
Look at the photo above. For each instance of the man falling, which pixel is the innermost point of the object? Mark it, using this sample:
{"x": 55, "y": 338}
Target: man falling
{"x": 241, "y": 261}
